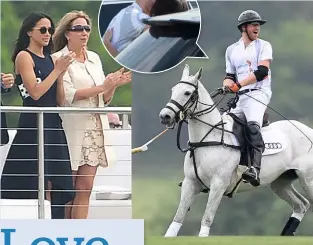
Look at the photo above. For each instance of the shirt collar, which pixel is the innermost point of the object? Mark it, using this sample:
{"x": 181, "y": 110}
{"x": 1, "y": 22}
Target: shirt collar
{"x": 136, "y": 6}
{"x": 65, "y": 51}
{"x": 240, "y": 41}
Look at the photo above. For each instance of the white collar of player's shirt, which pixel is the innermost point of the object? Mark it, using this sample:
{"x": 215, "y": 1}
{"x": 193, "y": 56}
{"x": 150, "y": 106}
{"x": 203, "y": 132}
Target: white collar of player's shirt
{"x": 89, "y": 57}
{"x": 136, "y": 5}
{"x": 254, "y": 41}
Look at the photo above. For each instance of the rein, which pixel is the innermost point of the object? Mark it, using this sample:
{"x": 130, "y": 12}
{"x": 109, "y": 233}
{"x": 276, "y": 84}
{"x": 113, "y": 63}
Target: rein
{"x": 183, "y": 110}
{"x": 182, "y": 115}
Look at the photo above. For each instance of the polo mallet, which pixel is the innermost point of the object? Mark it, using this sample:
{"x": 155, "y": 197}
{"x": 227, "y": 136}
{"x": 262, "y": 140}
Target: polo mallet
{"x": 145, "y": 146}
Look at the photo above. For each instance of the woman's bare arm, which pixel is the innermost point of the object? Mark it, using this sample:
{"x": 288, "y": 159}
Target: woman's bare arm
{"x": 25, "y": 67}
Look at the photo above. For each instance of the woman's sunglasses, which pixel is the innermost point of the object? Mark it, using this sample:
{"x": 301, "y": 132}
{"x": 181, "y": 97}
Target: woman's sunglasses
{"x": 113, "y": 125}
{"x": 43, "y": 30}
{"x": 80, "y": 28}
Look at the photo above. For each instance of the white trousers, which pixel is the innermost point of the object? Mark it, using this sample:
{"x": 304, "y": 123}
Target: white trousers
{"x": 251, "y": 108}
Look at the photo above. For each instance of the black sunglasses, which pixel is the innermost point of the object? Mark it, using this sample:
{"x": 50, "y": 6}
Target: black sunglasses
{"x": 113, "y": 125}
{"x": 43, "y": 30}
{"x": 80, "y": 28}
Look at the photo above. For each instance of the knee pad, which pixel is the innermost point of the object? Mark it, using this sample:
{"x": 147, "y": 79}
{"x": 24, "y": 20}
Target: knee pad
{"x": 253, "y": 127}
{"x": 255, "y": 134}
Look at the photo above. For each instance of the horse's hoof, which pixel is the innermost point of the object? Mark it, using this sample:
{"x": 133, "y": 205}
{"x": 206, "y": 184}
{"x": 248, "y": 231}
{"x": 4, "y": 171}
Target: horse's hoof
{"x": 173, "y": 229}
{"x": 170, "y": 233}
{"x": 204, "y": 231}
{"x": 289, "y": 234}
{"x": 169, "y": 236}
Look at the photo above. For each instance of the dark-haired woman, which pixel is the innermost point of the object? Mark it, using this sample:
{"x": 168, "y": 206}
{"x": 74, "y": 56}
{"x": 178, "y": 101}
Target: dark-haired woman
{"x": 39, "y": 80}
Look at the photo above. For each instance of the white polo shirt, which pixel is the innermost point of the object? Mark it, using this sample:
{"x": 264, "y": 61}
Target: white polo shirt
{"x": 127, "y": 26}
{"x": 243, "y": 61}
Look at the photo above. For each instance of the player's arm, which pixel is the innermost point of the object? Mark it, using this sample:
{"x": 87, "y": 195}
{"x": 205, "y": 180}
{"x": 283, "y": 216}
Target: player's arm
{"x": 230, "y": 77}
{"x": 258, "y": 75}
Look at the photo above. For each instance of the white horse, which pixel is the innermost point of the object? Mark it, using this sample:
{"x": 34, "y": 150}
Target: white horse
{"x": 217, "y": 168}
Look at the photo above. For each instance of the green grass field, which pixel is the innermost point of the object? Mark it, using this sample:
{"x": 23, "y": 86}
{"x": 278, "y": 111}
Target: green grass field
{"x": 230, "y": 240}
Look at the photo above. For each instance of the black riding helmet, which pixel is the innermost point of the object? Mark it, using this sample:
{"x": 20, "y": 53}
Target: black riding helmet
{"x": 249, "y": 16}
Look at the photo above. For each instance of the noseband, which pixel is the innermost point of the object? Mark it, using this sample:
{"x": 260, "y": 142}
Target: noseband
{"x": 190, "y": 102}
{"x": 181, "y": 114}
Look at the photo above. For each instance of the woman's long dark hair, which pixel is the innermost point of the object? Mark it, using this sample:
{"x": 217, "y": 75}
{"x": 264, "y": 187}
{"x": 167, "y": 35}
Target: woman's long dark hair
{"x": 29, "y": 23}
{"x": 161, "y": 7}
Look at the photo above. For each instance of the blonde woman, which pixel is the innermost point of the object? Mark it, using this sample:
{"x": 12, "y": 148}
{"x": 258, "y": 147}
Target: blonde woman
{"x": 85, "y": 85}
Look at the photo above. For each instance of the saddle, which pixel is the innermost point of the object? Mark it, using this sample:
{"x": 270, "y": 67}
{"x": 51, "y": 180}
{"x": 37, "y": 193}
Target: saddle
{"x": 240, "y": 131}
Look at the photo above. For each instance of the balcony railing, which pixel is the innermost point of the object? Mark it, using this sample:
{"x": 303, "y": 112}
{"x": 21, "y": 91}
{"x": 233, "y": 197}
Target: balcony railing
{"x": 124, "y": 111}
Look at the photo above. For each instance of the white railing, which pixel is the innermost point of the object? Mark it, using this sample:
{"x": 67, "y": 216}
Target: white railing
{"x": 125, "y": 111}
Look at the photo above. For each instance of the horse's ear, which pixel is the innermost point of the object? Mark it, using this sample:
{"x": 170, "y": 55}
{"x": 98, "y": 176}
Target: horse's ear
{"x": 199, "y": 73}
{"x": 185, "y": 72}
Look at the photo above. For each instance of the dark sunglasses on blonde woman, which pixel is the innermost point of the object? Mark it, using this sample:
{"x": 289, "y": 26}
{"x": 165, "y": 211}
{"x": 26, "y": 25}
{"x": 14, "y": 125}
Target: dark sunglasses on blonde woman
{"x": 43, "y": 30}
{"x": 79, "y": 28}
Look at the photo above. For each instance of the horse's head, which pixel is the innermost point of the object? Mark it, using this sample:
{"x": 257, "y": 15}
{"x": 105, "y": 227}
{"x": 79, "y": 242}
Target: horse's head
{"x": 183, "y": 98}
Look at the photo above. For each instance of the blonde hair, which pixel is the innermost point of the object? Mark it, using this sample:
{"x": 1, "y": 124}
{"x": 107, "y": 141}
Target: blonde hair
{"x": 59, "y": 39}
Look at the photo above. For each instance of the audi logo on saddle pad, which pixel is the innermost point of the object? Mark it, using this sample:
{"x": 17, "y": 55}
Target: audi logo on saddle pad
{"x": 273, "y": 145}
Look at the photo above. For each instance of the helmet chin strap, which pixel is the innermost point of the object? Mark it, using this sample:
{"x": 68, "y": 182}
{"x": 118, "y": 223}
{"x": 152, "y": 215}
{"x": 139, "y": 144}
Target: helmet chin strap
{"x": 247, "y": 32}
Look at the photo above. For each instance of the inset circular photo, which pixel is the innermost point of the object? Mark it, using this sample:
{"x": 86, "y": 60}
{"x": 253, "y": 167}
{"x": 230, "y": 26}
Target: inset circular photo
{"x": 150, "y": 36}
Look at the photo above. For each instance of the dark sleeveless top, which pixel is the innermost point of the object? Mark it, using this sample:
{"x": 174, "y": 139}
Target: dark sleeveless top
{"x": 23, "y": 154}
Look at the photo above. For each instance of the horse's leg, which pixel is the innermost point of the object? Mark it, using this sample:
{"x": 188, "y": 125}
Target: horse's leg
{"x": 305, "y": 174}
{"x": 306, "y": 181}
{"x": 284, "y": 189}
{"x": 217, "y": 190}
{"x": 189, "y": 189}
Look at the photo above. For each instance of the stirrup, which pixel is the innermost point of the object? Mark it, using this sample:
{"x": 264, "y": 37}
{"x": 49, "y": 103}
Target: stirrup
{"x": 249, "y": 179}
{"x": 249, "y": 171}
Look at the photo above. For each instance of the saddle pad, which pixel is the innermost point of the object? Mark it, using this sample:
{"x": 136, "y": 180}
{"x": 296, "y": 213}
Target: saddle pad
{"x": 275, "y": 140}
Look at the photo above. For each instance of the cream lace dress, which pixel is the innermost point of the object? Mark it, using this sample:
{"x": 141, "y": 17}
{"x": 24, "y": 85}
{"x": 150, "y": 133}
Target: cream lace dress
{"x": 87, "y": 142}
{"x": 93, "y": 152}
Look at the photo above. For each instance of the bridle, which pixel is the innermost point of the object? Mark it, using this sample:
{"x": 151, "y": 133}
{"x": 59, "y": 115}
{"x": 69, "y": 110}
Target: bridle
{"x": 185, "y": 112}
{"x": 181, "y": 114}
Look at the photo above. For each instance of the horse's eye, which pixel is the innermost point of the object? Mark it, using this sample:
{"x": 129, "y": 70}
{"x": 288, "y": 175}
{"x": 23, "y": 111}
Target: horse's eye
{"x": 187, "y": 93}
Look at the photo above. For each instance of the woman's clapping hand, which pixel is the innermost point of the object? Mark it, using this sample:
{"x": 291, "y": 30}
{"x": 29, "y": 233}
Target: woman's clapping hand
{"x": 117, "y": 79}
{"x": 123, "y": 77}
